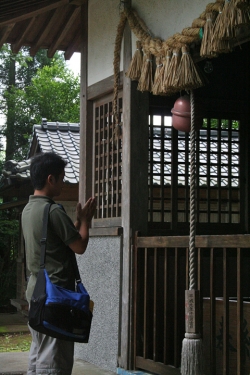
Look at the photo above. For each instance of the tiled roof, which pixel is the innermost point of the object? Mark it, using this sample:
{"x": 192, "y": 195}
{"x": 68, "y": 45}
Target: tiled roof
{"x": 61, "y": 138}
{"x": 216, "y": 142}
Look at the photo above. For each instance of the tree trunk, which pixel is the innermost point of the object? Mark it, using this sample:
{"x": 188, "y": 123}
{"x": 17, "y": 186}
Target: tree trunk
{"x": 10, "y": 120}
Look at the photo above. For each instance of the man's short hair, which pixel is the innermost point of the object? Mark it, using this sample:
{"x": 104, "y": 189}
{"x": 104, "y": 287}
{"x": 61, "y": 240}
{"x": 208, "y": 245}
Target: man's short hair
{"x": 44, "y": 164}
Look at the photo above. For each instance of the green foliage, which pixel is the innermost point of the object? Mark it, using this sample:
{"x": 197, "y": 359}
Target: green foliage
{"x": 15, "y": 342}
{"x": 9, "y": 229}
{"x": 35, "y": 88}
{"x": 223, "y": 124}
{"x": 32, "y": 88}
{"x": 25, "y": 65}
{"x": 55, "y": 94}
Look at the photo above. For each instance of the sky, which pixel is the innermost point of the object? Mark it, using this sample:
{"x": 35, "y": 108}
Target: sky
{"x": 74, "y": 63}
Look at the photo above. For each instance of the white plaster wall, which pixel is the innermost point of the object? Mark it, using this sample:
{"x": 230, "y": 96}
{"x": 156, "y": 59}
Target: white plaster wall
{"x": 164, "y": 18}
{"x": 100, "y": 268}
{"x": 104, "y": 17}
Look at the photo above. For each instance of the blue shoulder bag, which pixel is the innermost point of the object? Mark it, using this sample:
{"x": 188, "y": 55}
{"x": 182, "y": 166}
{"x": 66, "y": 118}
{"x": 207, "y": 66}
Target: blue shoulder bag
{"x": 56, "y": 311}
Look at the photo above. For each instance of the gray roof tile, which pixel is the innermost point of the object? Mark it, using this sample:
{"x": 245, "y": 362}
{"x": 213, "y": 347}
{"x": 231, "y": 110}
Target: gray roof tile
{"x": 59, "y": 137}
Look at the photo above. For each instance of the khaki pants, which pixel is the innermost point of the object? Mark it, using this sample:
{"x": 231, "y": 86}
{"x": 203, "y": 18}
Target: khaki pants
{"x": 50, "y": 356}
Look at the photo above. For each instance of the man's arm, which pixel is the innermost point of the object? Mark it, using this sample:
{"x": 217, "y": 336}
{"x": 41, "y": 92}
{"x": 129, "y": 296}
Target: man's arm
{"x": 84, "y": 217}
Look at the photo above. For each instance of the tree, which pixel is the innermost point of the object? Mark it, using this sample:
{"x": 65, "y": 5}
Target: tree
{"x": 55, "y": 94}
{"x": 34, "y": 88}
{"x": 224, "y": 124}
{"x": 8, "y": 254}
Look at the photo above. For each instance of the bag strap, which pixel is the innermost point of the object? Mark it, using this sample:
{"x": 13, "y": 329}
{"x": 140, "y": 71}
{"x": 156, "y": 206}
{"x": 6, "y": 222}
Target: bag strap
{"x": 44, "y": 240}
{"x": 76, "y": 270}
{"x": 44, "y": 234}
{"x": 24, "y": 262}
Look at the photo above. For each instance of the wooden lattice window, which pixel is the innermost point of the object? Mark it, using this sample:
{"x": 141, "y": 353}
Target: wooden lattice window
{"x": 217, "y": 172}
{"x": 107, "y": 160}
{"x": 160, "y": 168}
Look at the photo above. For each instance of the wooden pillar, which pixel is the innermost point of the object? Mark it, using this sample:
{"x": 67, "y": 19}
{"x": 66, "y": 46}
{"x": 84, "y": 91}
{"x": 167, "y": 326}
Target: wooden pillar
{"x": 86, "y": 127}
{"x": 134, "y": 192}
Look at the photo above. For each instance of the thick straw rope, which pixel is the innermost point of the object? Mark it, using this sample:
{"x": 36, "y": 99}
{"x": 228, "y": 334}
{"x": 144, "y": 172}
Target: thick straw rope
{"x": 156, "y": 46}
{"x": 116, "y": 65}
{"x": 192, "y": 268}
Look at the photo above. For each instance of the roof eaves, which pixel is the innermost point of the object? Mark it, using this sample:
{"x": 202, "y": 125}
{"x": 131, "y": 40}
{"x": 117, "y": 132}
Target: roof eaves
{"x": 62, "y": 126}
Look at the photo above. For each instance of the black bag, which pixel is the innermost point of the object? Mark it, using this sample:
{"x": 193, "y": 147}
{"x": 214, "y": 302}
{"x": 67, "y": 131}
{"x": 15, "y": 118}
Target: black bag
{"x": 56, "y": 311}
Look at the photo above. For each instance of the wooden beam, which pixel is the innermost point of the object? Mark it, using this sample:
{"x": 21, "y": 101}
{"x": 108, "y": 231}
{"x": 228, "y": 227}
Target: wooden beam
{"x": 204, "y": 241}
{"x": 5, "y": 33}
{"x": 86, "y": 121}
{"x": 73, "y": 47}
{"x": 64, "y": 31}
{"x": 15, "y": 47}
{"x": 53, "y": 16}
{"x": 77, "y": 2}
{"x": 135, "y": 196}
{"x": 156, "y": 367}
{"x": 8, "y": 205}
{"x": 123, "y": 359}
{"x": 32, "y": 11}
{"x": 105, "y": 232}
{"x": 103, "y": 87}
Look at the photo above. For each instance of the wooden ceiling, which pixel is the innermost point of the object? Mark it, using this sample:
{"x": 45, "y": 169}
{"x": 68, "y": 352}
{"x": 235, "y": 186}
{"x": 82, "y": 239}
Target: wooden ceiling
{"x": 54, "y": 25}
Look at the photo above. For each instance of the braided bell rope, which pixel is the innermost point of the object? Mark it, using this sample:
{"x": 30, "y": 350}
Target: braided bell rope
{"x": 192, "y": 268}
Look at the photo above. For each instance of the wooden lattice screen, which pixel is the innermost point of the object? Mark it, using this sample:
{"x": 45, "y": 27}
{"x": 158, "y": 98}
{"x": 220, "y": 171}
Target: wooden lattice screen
{"x": 160, "y": 280}
{"x": 217, "y": 172}
{"x": 107, "y": 161}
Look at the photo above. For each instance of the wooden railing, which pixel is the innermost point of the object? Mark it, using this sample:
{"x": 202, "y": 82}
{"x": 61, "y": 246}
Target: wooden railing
{"x": 160, "y": 281}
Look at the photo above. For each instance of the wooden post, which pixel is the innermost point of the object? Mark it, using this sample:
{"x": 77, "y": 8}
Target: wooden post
{"x": 192, "y": 316}
{"x": 134, "y": 191}
{"x": 86, "y": 127}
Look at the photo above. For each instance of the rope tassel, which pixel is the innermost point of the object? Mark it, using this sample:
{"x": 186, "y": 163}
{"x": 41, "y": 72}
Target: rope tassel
{"x": 206, "y": 45}
{"x": 134, "y": 70}
{"x": 172, "y": 72}
{"x": 219, "y": 45}
{"x": 157, "y": 88}
{"x": 187, "y": 77}
{"x": 228, "y": 21}
{"x": 146, "y": 79}
{"x": 165, "y": 69}
{"x": 191, "y": 353}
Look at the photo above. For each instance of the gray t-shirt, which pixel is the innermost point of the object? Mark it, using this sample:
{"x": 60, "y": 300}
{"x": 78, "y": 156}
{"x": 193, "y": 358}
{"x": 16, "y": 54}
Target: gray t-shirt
{"x": 61, "y": 233}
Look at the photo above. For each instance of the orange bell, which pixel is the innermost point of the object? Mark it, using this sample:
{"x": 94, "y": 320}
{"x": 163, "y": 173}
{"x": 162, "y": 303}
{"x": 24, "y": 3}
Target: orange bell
{"x": 181, "y": 119}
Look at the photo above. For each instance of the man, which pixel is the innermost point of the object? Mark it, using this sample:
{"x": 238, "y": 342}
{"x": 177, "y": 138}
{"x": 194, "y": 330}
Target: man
{"x": 50, "y": 356}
